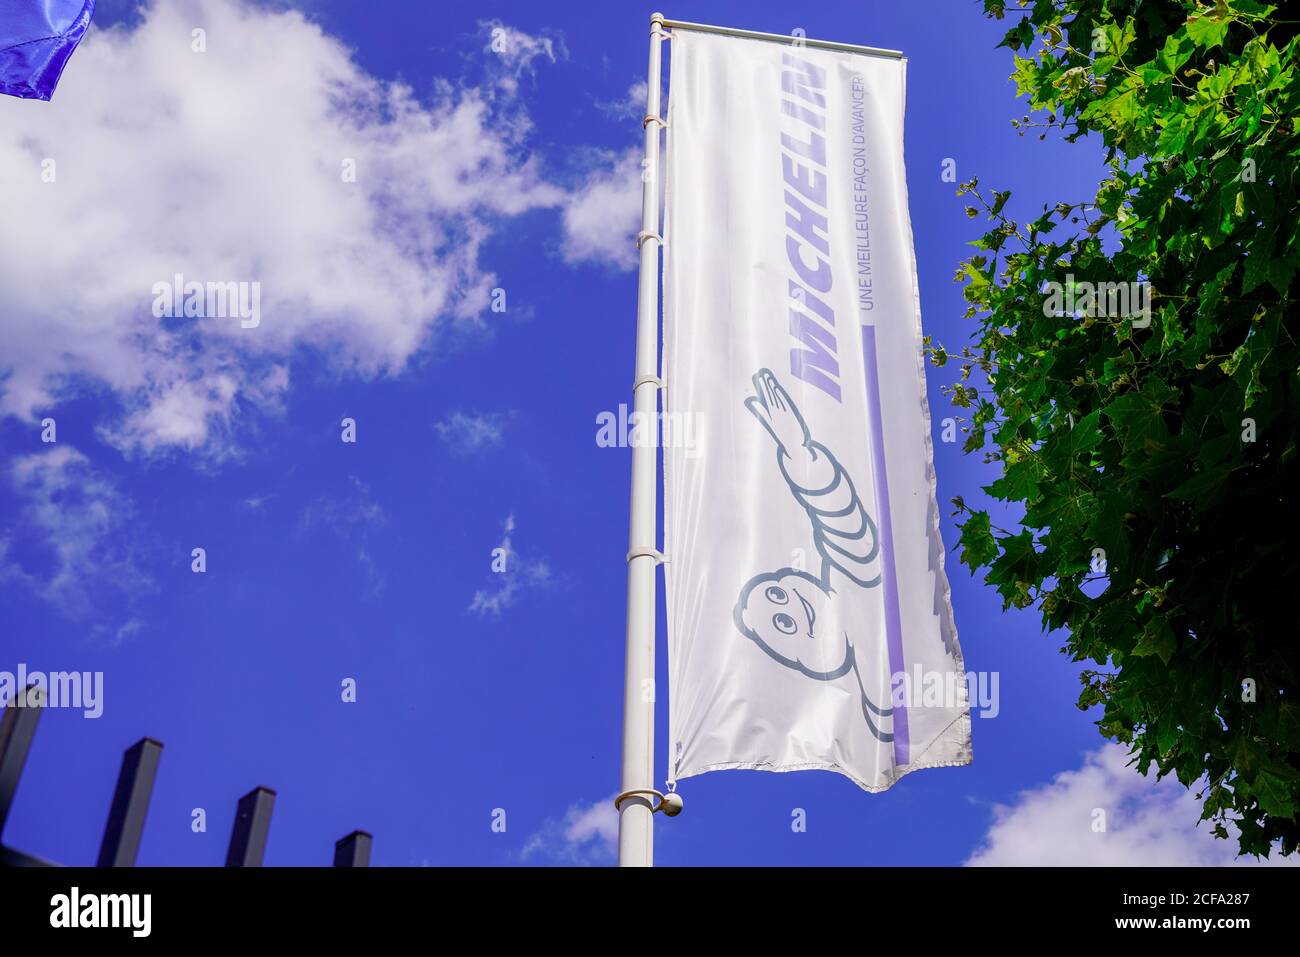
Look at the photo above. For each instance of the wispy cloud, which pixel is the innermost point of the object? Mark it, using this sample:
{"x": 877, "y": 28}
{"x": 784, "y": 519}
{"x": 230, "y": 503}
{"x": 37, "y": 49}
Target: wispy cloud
{"x": 515, "y": 573}
{"x": 76, "y": 524}
{"x": 630, "y": 107}
{"x": 351, "y": 515}
{"x": 467, "y": 432}
{"x": 515, "y": 52}
{"x": 127, "y": 631}
{"x": 586, "y": 834}
{"x": 1147, "y": 823}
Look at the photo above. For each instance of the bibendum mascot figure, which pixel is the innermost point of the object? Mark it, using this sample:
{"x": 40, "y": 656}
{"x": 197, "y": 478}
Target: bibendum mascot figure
{"x": 790, "y": 614}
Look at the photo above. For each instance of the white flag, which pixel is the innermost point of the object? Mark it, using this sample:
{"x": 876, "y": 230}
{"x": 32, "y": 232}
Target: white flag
{"x": 809, "y": 619}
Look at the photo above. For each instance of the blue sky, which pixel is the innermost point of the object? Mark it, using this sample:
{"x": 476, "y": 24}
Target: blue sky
{"x": 475, "y": 171}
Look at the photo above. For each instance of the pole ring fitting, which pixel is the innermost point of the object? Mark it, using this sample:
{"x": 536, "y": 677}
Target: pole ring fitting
{"x": 651, "y": 118}
{"x": 639, "y": 551}
{"x": 654, "y": 380}
{"x": 643, "y": 236}
{"x": 670, "y": 804}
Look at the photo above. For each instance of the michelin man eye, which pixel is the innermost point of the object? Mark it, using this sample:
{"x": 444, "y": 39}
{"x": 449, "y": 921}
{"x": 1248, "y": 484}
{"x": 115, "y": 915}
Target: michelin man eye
{"x": 784, "y": 623}
{"x": 776, "y": 595}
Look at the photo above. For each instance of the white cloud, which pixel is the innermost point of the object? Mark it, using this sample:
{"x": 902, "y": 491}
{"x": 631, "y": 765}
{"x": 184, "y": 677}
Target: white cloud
{"x": 630, "y": 107}
{"x": 515, "y": 52}
{"x": 77, "y": 524}
{"x": 587, "y": 834}
{"x": 228, "y": 166}
{"x": 603, "y": 216}
{"x": 1148, "y": 823}
{"x": 466, "y": 432}
{"x": 126, "y": 631}
{"x": 352, "y": 516}
{"x": 515, "y": 573}
{"x": 599, "y": 821}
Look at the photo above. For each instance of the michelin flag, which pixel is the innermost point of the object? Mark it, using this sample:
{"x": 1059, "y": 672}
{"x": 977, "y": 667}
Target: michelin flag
{"x": 36, "y": 39}
{"x": 809, "y": 618}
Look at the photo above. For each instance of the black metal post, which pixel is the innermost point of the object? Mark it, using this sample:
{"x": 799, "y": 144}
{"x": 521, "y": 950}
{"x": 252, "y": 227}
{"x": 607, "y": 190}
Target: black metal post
{"x": 353, "y": 850}
{"x": 17, "y": 728}
{"x": 130, "y": 802}
{"x": 252, "y": 823}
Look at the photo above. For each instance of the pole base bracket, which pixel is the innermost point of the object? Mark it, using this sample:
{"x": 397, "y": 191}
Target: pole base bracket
{"x": 670, "y": 804}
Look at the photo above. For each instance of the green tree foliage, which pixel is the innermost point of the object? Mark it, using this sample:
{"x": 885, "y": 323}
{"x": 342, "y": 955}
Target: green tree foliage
{"x": 1171, "y": 446}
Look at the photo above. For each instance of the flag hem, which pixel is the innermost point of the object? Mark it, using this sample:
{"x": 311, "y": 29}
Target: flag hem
{"x": 936, "y": 526}
{"x": 833, "y": 768}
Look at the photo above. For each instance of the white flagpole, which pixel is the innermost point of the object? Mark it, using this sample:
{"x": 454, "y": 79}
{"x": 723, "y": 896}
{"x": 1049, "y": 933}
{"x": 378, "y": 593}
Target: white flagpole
{"x": 636, "y": 810}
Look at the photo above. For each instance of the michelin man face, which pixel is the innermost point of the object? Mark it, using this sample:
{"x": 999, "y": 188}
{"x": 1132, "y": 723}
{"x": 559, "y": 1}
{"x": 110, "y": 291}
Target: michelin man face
{"x": 789, "y": 614}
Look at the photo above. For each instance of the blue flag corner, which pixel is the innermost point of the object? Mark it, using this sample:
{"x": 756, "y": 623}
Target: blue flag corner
{"x": 36, "y": 39}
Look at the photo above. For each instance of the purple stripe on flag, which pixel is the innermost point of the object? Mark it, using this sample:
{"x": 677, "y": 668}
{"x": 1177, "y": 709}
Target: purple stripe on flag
{"x": 888, "y": 575}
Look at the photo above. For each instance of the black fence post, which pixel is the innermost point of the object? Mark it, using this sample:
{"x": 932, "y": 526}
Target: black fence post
{"x": 130, "y": 803}
{"x": 353, "y": 850}
{"x": 131, "y": 798}
{"x": 252, "y": 823}
{"x": 17, "y": 728}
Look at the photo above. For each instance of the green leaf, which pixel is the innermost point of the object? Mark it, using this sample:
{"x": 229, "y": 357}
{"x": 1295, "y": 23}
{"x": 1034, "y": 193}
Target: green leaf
{"x": 1282, "y": 271}
{"x": 1018, "y": 483}
{"x": 1014, "y": 569}
{"x": 1086, "y": 434}
{"x": 1206, "y": 31}
{"x": 977, "y": 544}
{"x": 977, "y": 278}
{"x": 1275, "y": 796}
{"x": 1202, "y": 485}
{"x": 1157, "y": 639}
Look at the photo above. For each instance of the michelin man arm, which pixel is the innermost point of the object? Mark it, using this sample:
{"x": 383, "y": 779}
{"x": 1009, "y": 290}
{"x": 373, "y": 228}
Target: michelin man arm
{"x": 796, "y": 450}
{"x": 843, "y": 532}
